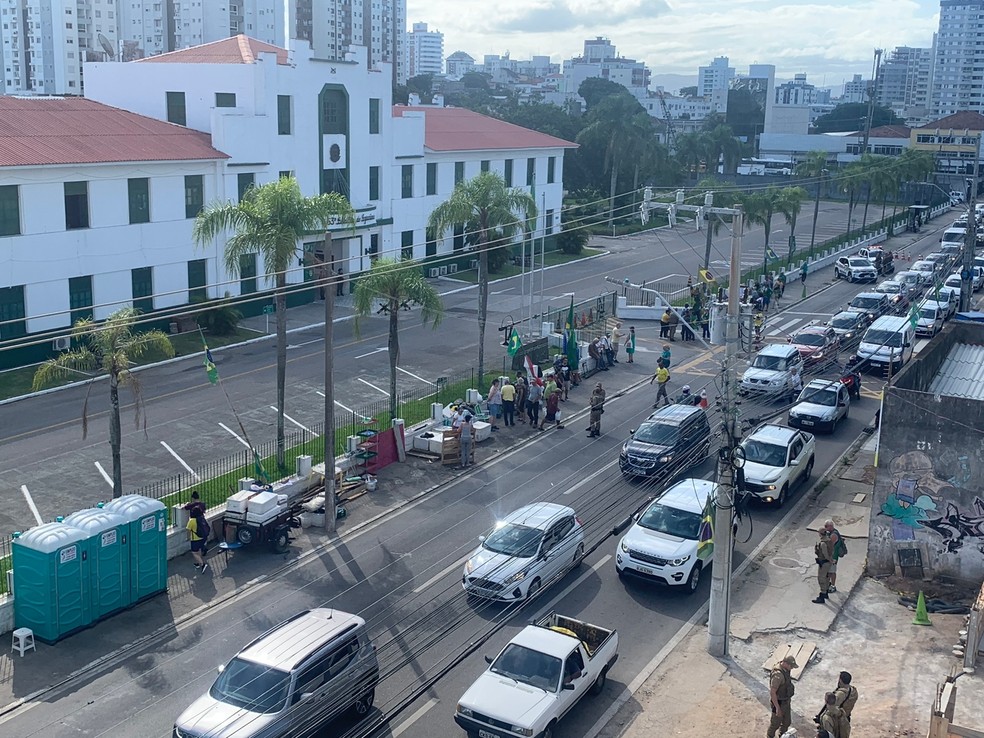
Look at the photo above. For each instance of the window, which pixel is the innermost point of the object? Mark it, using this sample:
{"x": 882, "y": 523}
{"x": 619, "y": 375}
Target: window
{"x": 530, "y": 172}
{"x": 373, "y": 183}
{"x": 548, "y": 222}
{"x": 458, "y": 241}
{"x": 142, "y": 281}
{"x": 196, "y": 280}
{"x": 551, "y": 164}
{"x": 333, "y": 112}
{"x": 485, "y": 165}
{"x": 432, "y": 179}
{"x": 283, "y": 115}
{"x": 247, "y": 274}
{"x": 431, "y": 249}
{"x": 245, "y": 180}
{"x": 176, "y": 112}
{"x": 194, "y": 195}
{"x": 12, "y": 309}
{"x": 373, "y": 115}
{"x": 406, "y": 244}
{"x": 9, "y": 210}
{"x": 406, "y": 180}
{"x": 507, "y": 174}
{"x": 76, "y": 205}
{"x": 80, "y": 297}
{"x": 225, "y": 99}
{"x": 373, "y": 246}
{"x": 459, "y": 172}
{"x": 286, "y": 173}
{"x": 139, "y": 195}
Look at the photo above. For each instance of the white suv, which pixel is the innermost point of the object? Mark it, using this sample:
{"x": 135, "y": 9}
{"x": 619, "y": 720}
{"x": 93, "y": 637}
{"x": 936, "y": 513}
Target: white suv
{"x": 855, "y": 268}
{"x": 776, "y": 460}
{"x": 770, "y": 371}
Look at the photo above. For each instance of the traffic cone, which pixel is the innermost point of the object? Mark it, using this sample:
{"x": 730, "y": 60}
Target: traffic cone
{"x": 922, "y": 617}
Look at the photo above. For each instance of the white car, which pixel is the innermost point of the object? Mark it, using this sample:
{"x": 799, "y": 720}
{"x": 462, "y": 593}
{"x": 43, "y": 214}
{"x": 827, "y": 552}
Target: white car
{"x": 977, "y": 279}
{"x": 930, "y": 319}
{"x": 770, "y": 371}
{"x": 822, "y": 404}
{"x": 930, "y": 269}
{"x": 662, "y": 545}
{"x": 948, "y": 296}
{"x": 525, "y": 551}
{"x": 855, "y": 268}
{"x": 912, "y": 280}
{"x": 776, "y": 460}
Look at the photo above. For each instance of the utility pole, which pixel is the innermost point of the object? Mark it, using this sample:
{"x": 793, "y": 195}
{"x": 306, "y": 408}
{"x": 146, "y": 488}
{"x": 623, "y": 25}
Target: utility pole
{"x": 970, "y": 238}
{"x": 719, "y": 618}
{"x": 709, "y": 224}
{"x": 875, "y": 67}
{"x": 329, "y": 282}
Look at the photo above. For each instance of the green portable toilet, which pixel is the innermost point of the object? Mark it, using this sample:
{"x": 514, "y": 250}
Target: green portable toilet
{"x": 107, "y": 545}
{"x": 51, "y": 581}
{"x": 147, "y": 520}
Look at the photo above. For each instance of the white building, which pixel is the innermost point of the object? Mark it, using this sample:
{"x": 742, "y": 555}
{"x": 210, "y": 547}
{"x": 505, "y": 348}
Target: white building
{"x": 905, "y": 82}
{"x": 714, "y": 81}
{"x": 240, "y": 113}
{"x": 600, "y": 59}
{"x": 841, "y": 148}
{"x": 425, "y": 51}
{"x": 959, "y": 58}
{"x": 856, "y": 90}
{"x": 459, "y": 64}
{"x": 43, "y": 44}
{"x": 336, "y": 25}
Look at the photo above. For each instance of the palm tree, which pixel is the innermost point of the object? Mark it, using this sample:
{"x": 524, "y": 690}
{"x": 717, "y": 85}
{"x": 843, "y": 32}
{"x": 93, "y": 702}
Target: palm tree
{"x": 496, "y": 212}
{"x": 815, "y": 167}
{"x": 789, "y": 204}
{"x": 270, "y": 220}
{"x": 108, "y": 348}
{"x": 712, "y": 224}
{"x": 399, "y": 283}
{"x": 849, "y": 180}
{"x": 759, "y": 208}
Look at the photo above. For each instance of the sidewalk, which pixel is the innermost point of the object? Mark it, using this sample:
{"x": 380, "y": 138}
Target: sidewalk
{"x": 862, "y": 629}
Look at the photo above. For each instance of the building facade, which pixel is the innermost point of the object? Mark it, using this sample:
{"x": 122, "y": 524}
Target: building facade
{"x": 714, "y": 81}
{"x": 459, "y": 64}
{"x": 905, "y": 83}
{"x": 425, "y": 51}
{"x": 959, "y": 64}
{"x": 380, "y": 26}
{"x": 600, "y": 59}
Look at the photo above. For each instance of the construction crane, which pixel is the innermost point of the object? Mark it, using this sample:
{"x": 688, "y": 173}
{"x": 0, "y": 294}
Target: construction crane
{"x": 670, "y": 133}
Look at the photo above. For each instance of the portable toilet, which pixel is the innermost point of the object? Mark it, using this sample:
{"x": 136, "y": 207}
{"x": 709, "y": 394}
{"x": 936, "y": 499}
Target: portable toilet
{"x": 147, "y": 520}
{"x": 107, "y": 543}
{"x": 51, "y": 581}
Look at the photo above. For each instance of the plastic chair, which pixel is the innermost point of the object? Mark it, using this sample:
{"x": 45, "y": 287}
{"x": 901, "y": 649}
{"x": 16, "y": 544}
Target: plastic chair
{"x": 23, "y": 640}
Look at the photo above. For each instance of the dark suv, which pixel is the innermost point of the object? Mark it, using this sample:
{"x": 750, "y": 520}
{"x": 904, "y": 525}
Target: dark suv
{"x": 671, "y": 440}
{"x": 873, "y": 304}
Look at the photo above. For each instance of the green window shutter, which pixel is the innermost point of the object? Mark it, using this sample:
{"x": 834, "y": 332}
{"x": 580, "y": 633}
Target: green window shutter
{"x": 194, "y": 195}
{"x": 432, "y": 179}
{"x": 9, "y": 210}
{"x": 247, "y": 274}
{"x": 530, "y": 171}
{"x": 373, "y": 183}
{"x": 80, "y": 297}
{"x": 142, "y": 281}
{"x": 176, "y": 112}
{"x": 507, "y": 174}
{"x": 406, "y": 180}
{"x": 244, "y": 181}
{"x": 225, "y": 99}
{"x": 485, "y": 165}
{"x": 373, "y": 115}
{"x": 12, "y": 313}
{"x": 459, "y": 172}
{"x": 76, "y": 205}
{"x": 551, "y": 164}
{"x": 406, "y": 244}
{"x": 197, "y": 280}
{"x": 284, "y": 127}
{"x": 138, "y": 192}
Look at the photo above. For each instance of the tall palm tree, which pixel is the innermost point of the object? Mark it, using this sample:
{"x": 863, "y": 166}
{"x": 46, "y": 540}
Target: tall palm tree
{"x": 760, "y": 207}
{"x": 790, "y": 203}
{"x": 849, "y": 181}
{"x": 869, "y": 165}
{"x": 496, "y": 213}
{"x": 108, "y": 348}
{"x": 270, "y": 220}
{"x": 398, "y": 283}
{"x": 815, "y": 166}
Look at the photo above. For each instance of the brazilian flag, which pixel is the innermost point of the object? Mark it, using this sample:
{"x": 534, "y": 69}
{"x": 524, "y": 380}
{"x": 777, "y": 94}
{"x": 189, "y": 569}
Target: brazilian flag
{"x": 705, "y": 536}
{"x": 514, "y": 343}
{"x": 914, "y": 315}
{"x": 770, "y": 253}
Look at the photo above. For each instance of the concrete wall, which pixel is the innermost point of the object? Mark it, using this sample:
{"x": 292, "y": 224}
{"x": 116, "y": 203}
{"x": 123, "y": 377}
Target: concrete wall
{"x": 929, "y": 481}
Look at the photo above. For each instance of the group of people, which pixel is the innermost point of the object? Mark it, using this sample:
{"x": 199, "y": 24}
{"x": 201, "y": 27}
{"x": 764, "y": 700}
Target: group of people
{"x": 689, "y": 318}
{"x": 828, "y": 550}
{"x": 834, "y": 718}
{"x": 604, "y": 348}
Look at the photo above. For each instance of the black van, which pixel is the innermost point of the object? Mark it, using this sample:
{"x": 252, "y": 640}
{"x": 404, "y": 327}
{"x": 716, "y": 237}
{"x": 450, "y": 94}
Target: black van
{"x": 671, "y": 440}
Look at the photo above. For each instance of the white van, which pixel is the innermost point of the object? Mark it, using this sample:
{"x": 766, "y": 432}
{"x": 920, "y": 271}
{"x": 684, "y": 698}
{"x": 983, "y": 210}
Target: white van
{"x": 888, "y": 342}
{"x": 954, "y": 235}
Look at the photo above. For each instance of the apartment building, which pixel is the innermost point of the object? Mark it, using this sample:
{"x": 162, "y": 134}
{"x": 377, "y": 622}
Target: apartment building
{"x": 425, "y": 51}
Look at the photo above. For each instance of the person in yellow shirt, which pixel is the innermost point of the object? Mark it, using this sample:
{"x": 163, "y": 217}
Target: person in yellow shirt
{"x": 195, "y": 535}
{"x": 661, "y": 377}
{"x": 509, "y": 403}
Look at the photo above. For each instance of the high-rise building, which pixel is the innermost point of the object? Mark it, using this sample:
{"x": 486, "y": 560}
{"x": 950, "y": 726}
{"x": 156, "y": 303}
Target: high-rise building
{"x": 714, "y": 81}
{"x": 425, "y": 51}
{"x": 959, "y": 58}
{"x": 601, "y": 60}
{"x": 855, "y": 90}
{"x": 45, "y": 42}
{"x": 459, "y": 64}
{"x": 378, "y": 25}
{"x": 905, "y": 82}
{"x": 598, "y": 49}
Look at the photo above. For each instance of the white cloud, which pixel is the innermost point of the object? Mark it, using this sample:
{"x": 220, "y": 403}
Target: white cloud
{"x": 832, "y": 38}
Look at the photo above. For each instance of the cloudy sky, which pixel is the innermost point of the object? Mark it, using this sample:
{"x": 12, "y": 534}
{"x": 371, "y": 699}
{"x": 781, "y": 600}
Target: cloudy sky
{"x": 830, "y": 40}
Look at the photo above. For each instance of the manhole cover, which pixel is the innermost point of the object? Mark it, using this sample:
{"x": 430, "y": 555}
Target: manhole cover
{"x": 783, "y": 563}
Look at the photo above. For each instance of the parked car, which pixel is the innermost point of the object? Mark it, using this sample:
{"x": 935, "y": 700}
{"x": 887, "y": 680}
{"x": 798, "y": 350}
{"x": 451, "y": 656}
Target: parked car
{"x": 855, "y": 269}
{"x": 661, "y": 544}
{"x": 888, "y": 342}
{"x": 977, "y": 279}
{"x": 297, "y": 676}
{"x": 874, "y": 304}
{"x": 849, "y": 325}
{"x": 883, "y": 261}
{"x": 525, "y": 551}
{"x": 816, "y": 343}
{"x": 897, "y": 293}
{"x": 671, "y": 440}
{"x": 952, "y": 251}
{"x": 927, "y": 270}
{"x": 950, "y": 297}
{"x": 776, "y": 460}
{"x": 821, "y": 405}
{"x": 914, "y": 281}
{"x": 770, "y": 371}
{"x": 929, "y": 320}
{"x": 538, "y": 678}
{"x": 941, "y": 260}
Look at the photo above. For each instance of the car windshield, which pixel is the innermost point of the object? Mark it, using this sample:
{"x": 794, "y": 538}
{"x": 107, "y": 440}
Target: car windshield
{"x": 251, "y": 687}
{"x": 809, "y": 339}
{"x": 866, "y": 302}
{"x": 774, "y": 363}
{"x": 761, "y": 452}
{"x": 529, "y": 667}
{"x": 514, "y": 540}
{"x": 929, "y": 313}
{"x": 826, "y": 397}
{"x": 883, "y": 338}
{"x": 923, "y": 266}
{"x": 658, "y": 434}
{"x": 859, "y": 262}
{"x": 909, "y": 278}
{"x": 848, "y": 320}
{"x": 889, "y": 288}
{"x": 671, "y": 521}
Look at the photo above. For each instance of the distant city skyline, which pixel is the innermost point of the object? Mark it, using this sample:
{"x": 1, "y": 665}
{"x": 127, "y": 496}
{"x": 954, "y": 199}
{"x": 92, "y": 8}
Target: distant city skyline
{"x": 829, "y": 40}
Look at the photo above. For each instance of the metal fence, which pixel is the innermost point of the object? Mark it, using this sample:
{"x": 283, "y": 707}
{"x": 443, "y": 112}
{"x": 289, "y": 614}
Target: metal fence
{"x": 593, "y": 311}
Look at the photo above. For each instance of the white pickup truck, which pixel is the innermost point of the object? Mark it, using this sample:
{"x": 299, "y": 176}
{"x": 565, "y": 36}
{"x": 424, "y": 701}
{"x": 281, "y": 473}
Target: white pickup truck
{"x": 537, "y": 678}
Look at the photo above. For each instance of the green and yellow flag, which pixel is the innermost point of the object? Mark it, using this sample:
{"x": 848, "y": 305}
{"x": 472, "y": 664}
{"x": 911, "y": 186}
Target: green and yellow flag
{"x": 210, "y": 370}
{"x": 705, "y": 538}
{"x": 514, "y": 343}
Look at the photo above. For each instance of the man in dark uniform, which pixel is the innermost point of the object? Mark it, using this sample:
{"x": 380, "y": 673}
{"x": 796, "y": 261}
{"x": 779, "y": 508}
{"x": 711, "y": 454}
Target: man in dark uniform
{"x": 781, "y": 691}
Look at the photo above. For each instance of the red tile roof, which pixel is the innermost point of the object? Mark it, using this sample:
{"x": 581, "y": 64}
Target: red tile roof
{"x": 72, "y": 130}
{"x": 233, "y": 50}
{"x": 964, "y": 120}
{"x": 887, "y": 132}
{"x": 458, "y": 129}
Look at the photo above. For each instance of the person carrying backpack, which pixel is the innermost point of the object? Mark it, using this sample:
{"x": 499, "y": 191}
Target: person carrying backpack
{"x": 198, "y": 533}
{"x": 839, "y": 548}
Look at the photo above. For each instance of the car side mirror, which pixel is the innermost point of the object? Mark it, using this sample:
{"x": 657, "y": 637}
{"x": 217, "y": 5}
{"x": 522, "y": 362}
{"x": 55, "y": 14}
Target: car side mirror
{"x": 569, "y": 686}
{"x": 221, "y": 668}
{"x": 632, "y": 431}
{"x": 482, "y": 538}
{"x": 488, "y": 659}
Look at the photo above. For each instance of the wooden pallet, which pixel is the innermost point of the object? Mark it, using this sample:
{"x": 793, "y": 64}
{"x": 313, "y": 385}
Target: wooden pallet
{"x": 802, "y": 651}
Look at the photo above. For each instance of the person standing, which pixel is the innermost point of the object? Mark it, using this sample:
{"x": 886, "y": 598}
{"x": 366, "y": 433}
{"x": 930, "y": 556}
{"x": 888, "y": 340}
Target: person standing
{"x": 508, "y": 403}
{"x": 522, "y": 387}
{"x": 533, "y": 397}
{"x": 630, "y": 345}
{"x": 465, "y": 436}
{"x": 661, "y": 377}
{"x": 564, "y": 378}
{"x": 605, "y": 343}
{"x": 781, "y": 690}
{"x": 824, "y": 557}
{"x": 803, "y": 272}
{"x": 495, "y": 404}
{"x": 838, "y": 548}
{"x": 597, "y": 405}
{"x": 847, "y": 694}
{"x": 616, "y": 341}
{"x": 686, "y": 320}
{"x": 551, "y": 384}
{"x": 664, "y": 324}
{"x": 197, "y": 528}
{"x": 553, "y": 410}
{"x": 595, "y": 352}
{"x": 674, "y": 322}
{"x": 666, "y": 356}
{"x": 340, "y": 284}
{"x": 833, "y": 719}
{"x": 767, "y": 295}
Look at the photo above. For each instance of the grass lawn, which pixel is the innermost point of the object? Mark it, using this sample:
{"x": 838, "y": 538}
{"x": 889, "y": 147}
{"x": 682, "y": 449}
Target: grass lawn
{"x": 552, "y": 258}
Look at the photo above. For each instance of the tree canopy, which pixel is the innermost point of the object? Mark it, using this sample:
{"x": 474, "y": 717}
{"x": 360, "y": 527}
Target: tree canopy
{"x": 849, "y": 117}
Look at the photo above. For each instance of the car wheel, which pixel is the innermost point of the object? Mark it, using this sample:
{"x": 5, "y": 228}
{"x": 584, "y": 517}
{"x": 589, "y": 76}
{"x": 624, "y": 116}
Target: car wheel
{"x": 693, "y": 581}
{"x": 781, "y": 499}
{"x": 364, "y": 703}
{"x": 280, "y": 543}
{"x": 245, "y": 535}
{"x": 809, "y": 470}
{"x": 850, "y": 278}
{"x": 599, "y": 686}
{"x": 578, "y": 555}
{"x": 548, "y": 732}
{"x": 534, "y": 588}
{"x": 833, "y": 424}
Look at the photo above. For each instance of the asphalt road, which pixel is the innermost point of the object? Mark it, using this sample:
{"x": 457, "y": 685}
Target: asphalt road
{"x": 188, "y": 422}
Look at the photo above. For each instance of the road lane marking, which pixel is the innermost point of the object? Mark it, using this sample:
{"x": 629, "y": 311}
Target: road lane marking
{"x": 30, "y": 504}
{"x": 180, "y": 460}
{"x": 370, "y": 384}
{"x": 234, "y": 434}
{"x": 287, "y": 417}
{"x": 305, "y": 343}
{"x": 550, "y": 606}
{"x": 346, "y": 409}
{"x": 590, "y": 479}
{"x": 374, "y": 351}
{"x": 418, "y": 713}
{"x": 109, "y": 479}
{"x": 783, "y": 328}
{"x": 425, "y": 381}
{"x": 442, "y": 573}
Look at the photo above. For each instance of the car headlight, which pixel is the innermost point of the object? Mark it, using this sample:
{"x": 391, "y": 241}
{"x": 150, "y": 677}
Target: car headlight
{"x": 681, "y": 561}
{"x": 521, "y": 730}
{"x": 818, "y": 355}
{"x": 463, "y": 711}
{"x": 469, "y": 567}
{"x": 666, "y": 459}
{"x": 848, "y": 334}
{"x": 776, "y": 382}
{"x": 517, "y": 577}
{"x": 770, "y": 486}
{"x": 794, "y": 414}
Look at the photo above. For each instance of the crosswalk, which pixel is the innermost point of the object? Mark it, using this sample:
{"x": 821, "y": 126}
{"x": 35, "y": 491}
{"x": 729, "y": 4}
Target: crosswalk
{"x": 787, "y": 323}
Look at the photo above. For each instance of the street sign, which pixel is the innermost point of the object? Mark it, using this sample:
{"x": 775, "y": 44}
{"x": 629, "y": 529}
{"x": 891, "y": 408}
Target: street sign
{"x": 269, "y": 309}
